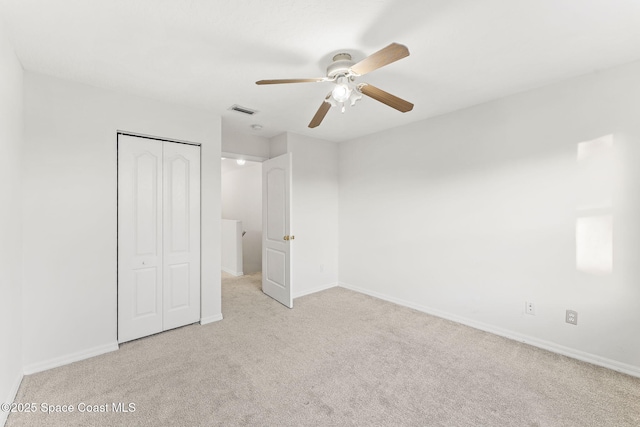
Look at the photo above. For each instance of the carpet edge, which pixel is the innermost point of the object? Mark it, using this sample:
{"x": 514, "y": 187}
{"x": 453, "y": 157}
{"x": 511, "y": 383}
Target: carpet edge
{"x": 70, "y": 358}
{"x": 316, "y": 289}
{"x": 594, "y": 359}
{"x": 13, "y": 392}
{"x": 211, "y": 319}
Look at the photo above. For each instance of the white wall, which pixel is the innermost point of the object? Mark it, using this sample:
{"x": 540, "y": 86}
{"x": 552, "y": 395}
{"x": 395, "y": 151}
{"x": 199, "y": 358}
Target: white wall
{"x": 235, "y": 141}
{"x": 278, "y": 145}
{"x": 231, "y": 238}
{"x": 11, "y": 123}
{"x": 471, "y": 214}
{"x": 314, "y": 214}
{"x": 70, "y": 211}
{"x": 242, "y": 200}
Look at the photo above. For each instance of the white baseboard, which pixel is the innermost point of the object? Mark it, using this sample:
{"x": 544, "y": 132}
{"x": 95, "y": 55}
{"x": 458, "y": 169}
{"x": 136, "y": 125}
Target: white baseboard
{"x": 70, "y": 358}
{"x": 314, "y": 290}
{"x": 10, "y": 398}
{"x": 233, "y": 273}
{"x": 536, "y": 342}
{"x": 211, "y": 319}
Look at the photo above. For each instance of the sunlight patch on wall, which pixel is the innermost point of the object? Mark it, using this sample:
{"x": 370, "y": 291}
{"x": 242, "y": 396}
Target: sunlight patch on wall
{"x": 594, "y": 223}
{"x": 596, "y": 148}
{"x": 595, "y": 173}
{"x": 594, "y": 244}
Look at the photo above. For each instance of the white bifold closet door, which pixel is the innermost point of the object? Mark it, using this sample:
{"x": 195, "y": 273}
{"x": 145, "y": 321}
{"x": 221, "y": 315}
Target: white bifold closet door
{"x": 158, "y": 236}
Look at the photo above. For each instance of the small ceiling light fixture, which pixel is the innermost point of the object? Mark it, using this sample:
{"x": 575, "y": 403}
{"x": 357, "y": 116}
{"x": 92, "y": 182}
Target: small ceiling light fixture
{"x": 256, "y": 127}
{"x": 342, "y": 90}
{"x": 345, "y": 90}
{"x": 241, "y": 162}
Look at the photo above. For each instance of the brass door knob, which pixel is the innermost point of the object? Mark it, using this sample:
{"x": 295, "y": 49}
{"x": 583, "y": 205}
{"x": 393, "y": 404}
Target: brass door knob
{"x": 286, "y": 237}
{"x": 292, "y": 237}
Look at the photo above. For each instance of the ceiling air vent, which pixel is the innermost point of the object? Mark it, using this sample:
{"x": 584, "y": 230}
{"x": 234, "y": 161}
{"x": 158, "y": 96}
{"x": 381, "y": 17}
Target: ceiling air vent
{"x": 243, "y": 110}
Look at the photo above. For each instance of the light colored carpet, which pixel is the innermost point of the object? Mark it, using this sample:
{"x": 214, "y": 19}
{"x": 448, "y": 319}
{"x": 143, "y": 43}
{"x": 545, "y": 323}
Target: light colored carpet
{"x": 337, "y": 358}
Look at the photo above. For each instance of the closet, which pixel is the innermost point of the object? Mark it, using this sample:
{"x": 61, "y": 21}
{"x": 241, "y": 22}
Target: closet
{"x": 158, "y": 235}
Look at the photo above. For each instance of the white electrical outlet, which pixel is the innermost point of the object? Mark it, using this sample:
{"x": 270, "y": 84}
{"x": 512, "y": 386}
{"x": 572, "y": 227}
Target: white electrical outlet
{"x": 572, "y": 317}
{"x": 529, "y": 308}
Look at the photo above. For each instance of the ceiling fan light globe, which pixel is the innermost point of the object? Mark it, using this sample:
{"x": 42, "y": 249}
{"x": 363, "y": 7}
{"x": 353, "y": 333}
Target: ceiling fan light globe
{"x": 341, "y": 93}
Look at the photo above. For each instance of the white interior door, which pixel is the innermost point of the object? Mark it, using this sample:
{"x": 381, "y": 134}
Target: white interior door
{"x": 276, "y": 222}
{"x": 139, "y": 237}
{"x": 158, "y": 236}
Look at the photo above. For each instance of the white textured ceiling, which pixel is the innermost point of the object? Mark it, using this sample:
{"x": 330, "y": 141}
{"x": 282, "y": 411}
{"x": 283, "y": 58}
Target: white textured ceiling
{"x": 209, "y": 53}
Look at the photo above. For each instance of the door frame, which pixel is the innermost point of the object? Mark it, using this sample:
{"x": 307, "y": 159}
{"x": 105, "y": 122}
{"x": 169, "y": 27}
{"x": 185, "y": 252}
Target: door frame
{"x": 162, "y": 139}
{"x": 239, "y": 156}
{"x": 252, "y": 158}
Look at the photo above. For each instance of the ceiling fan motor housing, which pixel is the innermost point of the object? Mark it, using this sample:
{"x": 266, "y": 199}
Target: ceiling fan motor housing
{"x": 340, "y": 65}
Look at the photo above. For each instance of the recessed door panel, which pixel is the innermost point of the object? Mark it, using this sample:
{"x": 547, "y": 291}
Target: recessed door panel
{"x": 145, "y": 292}
{"x": 276, "y": 262}
{"x": 178, "y": 285}
{"x": 276, "y": 221}
{"x": 145, "y": 202}
{"x": 178, "y": 170}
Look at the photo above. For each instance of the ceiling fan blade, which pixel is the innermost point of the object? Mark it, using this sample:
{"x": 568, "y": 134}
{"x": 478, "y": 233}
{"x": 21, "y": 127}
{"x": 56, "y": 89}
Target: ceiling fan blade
{"x": 280, "y": 81}
{"x": 322, "y": 111}
{"x": 386, "y": 98}
{"x": 384, "y": 56}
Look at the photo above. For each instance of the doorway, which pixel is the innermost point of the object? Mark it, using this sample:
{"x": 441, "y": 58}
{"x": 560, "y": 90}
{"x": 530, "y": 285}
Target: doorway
{"x": 241, "y": 208}
{"x": 258, "y": 194}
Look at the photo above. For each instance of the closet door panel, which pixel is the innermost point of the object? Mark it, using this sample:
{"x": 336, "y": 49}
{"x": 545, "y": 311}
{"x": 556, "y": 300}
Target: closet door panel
{"x": 181, "y": 231}
{"x": 139, "y": 237}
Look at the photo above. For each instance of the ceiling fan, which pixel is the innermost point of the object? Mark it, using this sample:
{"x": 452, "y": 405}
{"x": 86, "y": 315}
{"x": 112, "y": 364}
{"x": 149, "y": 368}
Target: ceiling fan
{"x": 343, "y": 73}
